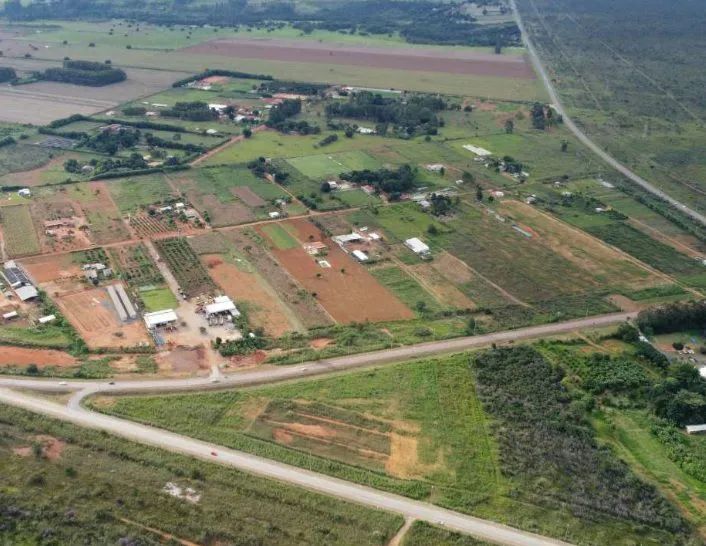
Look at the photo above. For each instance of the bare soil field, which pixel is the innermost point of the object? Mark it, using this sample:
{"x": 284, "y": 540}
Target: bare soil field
{"x": 20, "y": 356}
{"x": 222, "y": 214}
{"x": 345, "y": 289}
{"x": 105, "y": 223}
{"x": 92, "y": 314}
{"x": 42, "y": 102}
{"x": 306, "y": 308}
{"x": 427, "y": 59}
{"x": 183, "y": 360}
{"x": 265, "y": 308}
{"x": 438, "y": 285}
{"x": 44, "y": 269}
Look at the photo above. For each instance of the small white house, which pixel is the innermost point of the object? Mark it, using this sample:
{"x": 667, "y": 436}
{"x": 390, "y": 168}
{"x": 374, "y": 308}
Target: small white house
{"x": 696, "y": 429}
{"x": 46, "y": 319}
{"x": 366, "y": 131}
{"x": 274, "y": 215}
{"x": 360, "y": 255}
{"x": 160, "y": 318}
{"x": 434, "y": 167}
{"x": 417, "y": 246}
{"x": 24, "y": 192}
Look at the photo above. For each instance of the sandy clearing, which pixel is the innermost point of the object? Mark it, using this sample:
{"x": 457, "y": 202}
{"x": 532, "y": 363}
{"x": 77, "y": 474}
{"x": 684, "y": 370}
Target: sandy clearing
{"x": 21, "y": 356}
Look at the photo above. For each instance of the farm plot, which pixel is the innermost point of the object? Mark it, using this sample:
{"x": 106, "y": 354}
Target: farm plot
{"x": 135, "y": 265}
{"x": 104, "y": 220}
{"x": 184, "y": 264}
{"x": 145, "y": 225}
{"x": 407, "y": 289}
{"x": 343, "y": 287}
{"x": 51, "y": 268}
{"x": 305, "y": 309}
{"x": 408, "y": 59}
{"x": 92, "y": 314}
{"x": 590, "y": 254}
{"x": 61, "y": 225}
{"x": 133, "y": 194}
{"x": 239, "y": 280}
{"x": 20, "y": 356}
{"x": 230, "y": 195}
{"x": 19, "y": 236}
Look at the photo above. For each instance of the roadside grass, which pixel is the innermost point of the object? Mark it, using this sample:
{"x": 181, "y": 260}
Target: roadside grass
{"x": 19, "y": 236}
{"x": 109, "y": 488}
{"x": 47, "y": 335}
{"x": 422, "y": 533}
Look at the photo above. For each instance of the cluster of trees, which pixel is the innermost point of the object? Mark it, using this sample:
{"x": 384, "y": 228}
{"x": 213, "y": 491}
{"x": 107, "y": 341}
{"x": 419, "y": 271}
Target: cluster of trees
{"x": 261, "y": 167}
{"x": 217, "y": 72}
{"x": 288, "y": 108}
{"x": 546, "y": 440}
{"x": 328, "y": 140}
{"x": 441, "y": 205}
{"x": 392, "y": 182}
{"x": 84, "y": 73}
{"x": 110, "y": 142}
{"x": 673, "y": 317}
{"x": 134, "y": 162}
{"x": 418, "y": 21}
{"x": 414, "y": 115}
{"x": 7, "y": 74}
{"x": 270, "y": 87}
{"x": 190, "y": 111}
{"x": 681, "y": 396}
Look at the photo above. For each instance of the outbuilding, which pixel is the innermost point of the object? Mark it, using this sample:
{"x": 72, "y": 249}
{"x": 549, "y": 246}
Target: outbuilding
{"x": 360, "y": 255}
{"x": 417, "y": 246}
{"x": 27, "y": 292}
{"x": 160, "y": 318}
{"x": 696, "y": 429}
{"x": 222, "y": 305}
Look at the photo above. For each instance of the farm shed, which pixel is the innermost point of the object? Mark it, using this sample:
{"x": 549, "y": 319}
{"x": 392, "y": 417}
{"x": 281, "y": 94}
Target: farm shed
{"x": 14, "y": 275}
{"x": 702, "y": 372}
{"x": 696, "y": 429}
{"x": 46, "y": 319}
{"x": 349, "y": 238}
{"x": 417, "y": 246}
{"x": 480, "y": 152}
{"x": 26, "y": 292}
{"x": 24, "y": 192}
{"x": 160, "y": 318}
{"x": 11, "y": 315}
{"x": 222, "y": 305}
{"x": 360, "y": 255}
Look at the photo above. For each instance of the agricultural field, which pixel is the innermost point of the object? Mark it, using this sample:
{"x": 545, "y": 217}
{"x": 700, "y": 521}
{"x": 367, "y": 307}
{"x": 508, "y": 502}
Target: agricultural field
{"x": 18, "y": 233}
{"x": 342, "y": 286}
{"x": 125, "y": 494}
{"x": 104, "y": 220}
{"x": 131, "y": 195}
{"x": 135, "y": 265}
{"x": 233, "y": 195}
{"x": 389, "y": 428}
{"x": 192, "y": 276}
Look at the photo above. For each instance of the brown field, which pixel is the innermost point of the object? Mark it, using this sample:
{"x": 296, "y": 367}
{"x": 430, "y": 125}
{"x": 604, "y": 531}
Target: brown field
{"x": 346, "y": 290}
{"x": 62, "y": 239}
{"x": 264, "y": 307}
{"x": 222, "y": 214}
{"x": 105, "y": 223}
{"x": 91, "y": 313}
{"x": 42, "y": 102}
{"x": 20, "y": 356}
{"x": 585, "y": 251}
{"x": 304, "y": 307}
{"x": 183, "y": 360}
{"x": 50, "y": 268}
{"x": 415, "y": 59}
{"x": 249, "y": 197}
{"x": 440, "y": 287}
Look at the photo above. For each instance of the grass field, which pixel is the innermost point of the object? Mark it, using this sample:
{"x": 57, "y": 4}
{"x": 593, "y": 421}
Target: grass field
{"x": 157, "y": 299}
{"x": 132, "y": 194}
{"x": 18, "y": 232}
{"x": 109, "y": 489}
{"x": 424, "y": 534}
{"x": 280, "y": 237}
{"x": 331, "y": 165}
{"x": 406, "y": 289}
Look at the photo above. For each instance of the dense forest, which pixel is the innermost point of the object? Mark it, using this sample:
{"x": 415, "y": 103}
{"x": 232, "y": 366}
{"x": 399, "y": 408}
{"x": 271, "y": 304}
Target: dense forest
{"x": 84, "y": 73}
{"x": 422, "y": 21}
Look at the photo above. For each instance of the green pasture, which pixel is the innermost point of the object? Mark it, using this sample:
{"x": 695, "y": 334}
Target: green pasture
{"x": 132, "y": 194}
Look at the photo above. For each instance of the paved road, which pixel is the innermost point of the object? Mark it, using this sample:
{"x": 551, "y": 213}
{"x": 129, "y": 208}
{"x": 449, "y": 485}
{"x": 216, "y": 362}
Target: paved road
{"x": 321, "y": 367}
{"x": 271, "y": 469}
{"x": 595, "y": 148}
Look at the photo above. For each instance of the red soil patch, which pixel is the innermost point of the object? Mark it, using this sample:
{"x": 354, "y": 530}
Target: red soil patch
{"x": 249, "y": 197}
{"x": 417, "y": 59}
{"x": 91, "y": 312}
{"x": 20, "y": 356}
{"x": 248, "y": 361}
{"x": 320, "y": 343}
{"x": 266, "y": 309}
{"x": 52, "y": 448}
{"x": 282, "y": 436}
{"x": 346, "y": 290}
{"x": 183, "y": 359}
{"x": 51, "y": 268}
{"x": 215, "y": 80}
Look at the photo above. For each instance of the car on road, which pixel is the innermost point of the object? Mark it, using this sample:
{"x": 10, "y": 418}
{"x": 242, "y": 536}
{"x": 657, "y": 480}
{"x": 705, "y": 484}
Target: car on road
{"x": 62, "y": 383}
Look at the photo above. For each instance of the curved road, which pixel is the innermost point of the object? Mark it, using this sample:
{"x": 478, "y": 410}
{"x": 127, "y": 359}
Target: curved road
{"x": 327, "y": 485}
{"x": 410, "y": 509}
{"x": 580, "y": 135}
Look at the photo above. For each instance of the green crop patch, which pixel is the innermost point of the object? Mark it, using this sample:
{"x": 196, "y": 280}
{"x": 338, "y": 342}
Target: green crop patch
{"x": 280, "y": 237}
{"x": 185, "y": 265}
{"x": 19, "y": 236}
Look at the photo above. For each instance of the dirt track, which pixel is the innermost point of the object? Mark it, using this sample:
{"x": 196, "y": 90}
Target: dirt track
{"x": 417, "y": 59}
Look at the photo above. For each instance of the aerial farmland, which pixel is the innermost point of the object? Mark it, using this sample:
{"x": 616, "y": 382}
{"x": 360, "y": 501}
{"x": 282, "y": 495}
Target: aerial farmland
{"x": 211, "y": 204}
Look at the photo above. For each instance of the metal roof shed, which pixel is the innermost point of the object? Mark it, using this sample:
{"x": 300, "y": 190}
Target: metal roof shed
{"x": 160, "y": 318}
{"x": 696, "y": 429}
{"x": 222, "y": 304}
{"x": 26, "y": 292}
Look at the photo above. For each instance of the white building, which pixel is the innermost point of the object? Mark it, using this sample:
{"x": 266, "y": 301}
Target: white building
{"x": 160, "y": 318}
{"x": 222, "y": 305}
{"x": 417, "y": 246}
{"x": 24, "y": 192}
{"x": 480, "y": 152}
{"x": 696, "y": 429}
{"x": 46, "y": 319}
{"x": 360, "y": 255}
{"x": 26, "y": 292}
